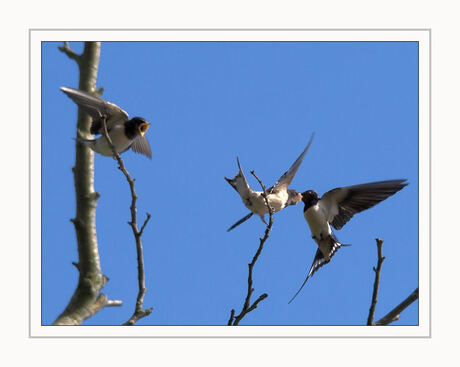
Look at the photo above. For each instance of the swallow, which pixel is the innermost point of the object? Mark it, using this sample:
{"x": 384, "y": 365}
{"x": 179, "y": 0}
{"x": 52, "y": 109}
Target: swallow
{"x": 336, "y": 208}
{"x": 124, "y": 132}
{"x": 278, "y": 196}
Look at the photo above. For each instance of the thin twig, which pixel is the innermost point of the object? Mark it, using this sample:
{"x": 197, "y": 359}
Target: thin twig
{"x": 114, "y": 303}
{"x": 381, "y": 258}
{"x": 247, "y": 307}
{"x": 70, "y": 53}
{"x": 394, "y": 314}
{"x": 145, "y": 223}
{"x": 232, "y": 315}
{"x": 103, "y": 301}
{"x": 139, "y": 312}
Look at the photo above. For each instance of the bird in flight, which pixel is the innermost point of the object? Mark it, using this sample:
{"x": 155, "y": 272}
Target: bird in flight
{"x": 336, "y": 208}
{"x": 124, "y": 132}
{"x": 278, "y": 196}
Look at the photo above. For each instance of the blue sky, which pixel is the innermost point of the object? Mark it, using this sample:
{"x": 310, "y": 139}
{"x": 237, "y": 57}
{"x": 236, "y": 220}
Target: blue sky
{"x": 208, "y": 103}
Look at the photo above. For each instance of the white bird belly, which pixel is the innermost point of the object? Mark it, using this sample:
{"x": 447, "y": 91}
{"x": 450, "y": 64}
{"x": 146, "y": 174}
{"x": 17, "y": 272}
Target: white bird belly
{"x": 317, "y": 222}
{"x": 255, "y": 202}
{"x": 119, "y": 140}
{"x": 278, "y": 201}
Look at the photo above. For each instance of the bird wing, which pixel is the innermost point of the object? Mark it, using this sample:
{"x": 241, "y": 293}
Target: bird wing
{"x": 285, "y": 180}
{"x": 340, "y": 204}
{"x": 96, "y": 107}
{"x": 141, "y": 145}
{"x": 239, "y": 182}
{"x": 242, "y": 220}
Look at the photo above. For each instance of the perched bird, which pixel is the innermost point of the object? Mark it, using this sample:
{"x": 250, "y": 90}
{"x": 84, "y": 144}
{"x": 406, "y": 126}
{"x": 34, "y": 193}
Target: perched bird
{"x": 125, "y": 133}
{"x": 336, "y": 208}
{"x": 278, "y": 196}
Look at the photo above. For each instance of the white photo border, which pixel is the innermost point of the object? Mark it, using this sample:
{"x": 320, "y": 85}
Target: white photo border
{"x": 422, "y": 36}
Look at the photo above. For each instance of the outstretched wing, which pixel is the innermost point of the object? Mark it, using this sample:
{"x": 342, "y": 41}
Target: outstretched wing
{"x": 96, "y": 107}
{"x": 286, "y": 179}
{"x": 141, "y": 145}
{"x": 340, "y": 204}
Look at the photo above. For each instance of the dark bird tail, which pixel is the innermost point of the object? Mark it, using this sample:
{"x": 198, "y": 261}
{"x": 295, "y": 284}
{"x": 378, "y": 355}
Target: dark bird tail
{"x": 320, "y": 260}
{"x": 238, "y": 182}
{"x": 242, "y": 220}
{"x": 231, "y": 182}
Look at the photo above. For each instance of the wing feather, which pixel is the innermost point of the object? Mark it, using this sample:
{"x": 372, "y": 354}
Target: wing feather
{"x": 340, "y": 204}
{"x": 141, "y": 145}
{"x": 286, "y": 179}
{"x": 96, "y": 107}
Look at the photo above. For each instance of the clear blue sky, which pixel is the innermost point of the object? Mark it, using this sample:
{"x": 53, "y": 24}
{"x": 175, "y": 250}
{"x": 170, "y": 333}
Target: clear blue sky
{"x": 208, "y": 103}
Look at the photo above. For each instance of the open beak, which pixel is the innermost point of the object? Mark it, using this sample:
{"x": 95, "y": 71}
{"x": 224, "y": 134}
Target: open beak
{"x": 299, "y": 197}
{"x": 143, "y": 127}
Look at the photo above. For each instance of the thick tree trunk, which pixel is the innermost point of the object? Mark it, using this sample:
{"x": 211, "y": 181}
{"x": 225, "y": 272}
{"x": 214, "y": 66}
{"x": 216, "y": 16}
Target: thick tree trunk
{"x": 87, "y": 299}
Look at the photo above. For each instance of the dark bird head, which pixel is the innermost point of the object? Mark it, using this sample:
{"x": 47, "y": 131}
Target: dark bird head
{"x": 310, "y": 198}
{"x": 139, "y": 124}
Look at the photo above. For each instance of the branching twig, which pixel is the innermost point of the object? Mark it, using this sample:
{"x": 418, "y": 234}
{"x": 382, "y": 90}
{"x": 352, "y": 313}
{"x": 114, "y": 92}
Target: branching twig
{"x": 72, "y": 316}
{"x": 247, "y": 307}
{"x": 370, "y": 318}
{"x": 393, "y": 315}
{"x": 139, "y": 312}
{"x": 70, "y": 53}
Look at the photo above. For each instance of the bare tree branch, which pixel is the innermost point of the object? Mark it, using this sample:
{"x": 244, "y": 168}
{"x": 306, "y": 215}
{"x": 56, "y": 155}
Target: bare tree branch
{"x": 76, "y": 318}
{"x": 381, "y": 258}
{"x": 139, "y": 312}
{"x": 103, "y": 301}
{"x": 232, "y": 316}
{"x": 248, "y": 307}
{"x": 86, "y": 299}
{"x": 394, "y": 314}
{"x": 70, "y": 53}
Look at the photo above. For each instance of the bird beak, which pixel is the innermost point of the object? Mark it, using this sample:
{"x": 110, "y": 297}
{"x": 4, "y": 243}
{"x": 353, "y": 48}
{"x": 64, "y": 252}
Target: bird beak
{"x": 143, "y": 128}
{"x": 299, "y": 197}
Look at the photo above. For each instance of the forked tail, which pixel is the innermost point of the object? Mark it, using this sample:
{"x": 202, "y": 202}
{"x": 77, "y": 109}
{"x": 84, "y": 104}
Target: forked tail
{"x": 320, "y": 260}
